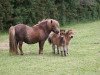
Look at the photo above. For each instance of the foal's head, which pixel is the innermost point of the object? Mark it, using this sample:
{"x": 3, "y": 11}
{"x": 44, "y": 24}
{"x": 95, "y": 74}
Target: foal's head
{"x": 53, "y": 25}
{"x": 70, "y": 34}
{"x": 62, "y": 33}
{"x": 62, "y": 36}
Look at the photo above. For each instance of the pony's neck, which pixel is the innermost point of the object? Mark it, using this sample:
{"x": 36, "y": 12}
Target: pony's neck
{"x": 43, "y": 25}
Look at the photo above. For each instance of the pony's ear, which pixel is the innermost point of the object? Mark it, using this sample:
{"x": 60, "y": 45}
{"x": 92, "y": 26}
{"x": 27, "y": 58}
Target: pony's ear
{"x": 51, "y": 21}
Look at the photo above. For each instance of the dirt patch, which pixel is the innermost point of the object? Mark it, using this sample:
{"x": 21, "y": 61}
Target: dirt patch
{"x": 4, "y": 46}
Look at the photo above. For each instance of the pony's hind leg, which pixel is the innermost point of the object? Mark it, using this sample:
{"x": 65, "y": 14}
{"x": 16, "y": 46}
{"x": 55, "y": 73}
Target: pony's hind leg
{"x": 20, "y": 47}
{"x": 57, "y": 49}
{"x": 61, "y": 50}
{"x": 53, "y": 47}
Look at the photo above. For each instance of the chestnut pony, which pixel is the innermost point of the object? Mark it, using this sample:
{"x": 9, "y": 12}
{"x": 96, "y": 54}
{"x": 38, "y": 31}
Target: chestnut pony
{"x": 36, "y": 34}
{"x": 61, "y": 41}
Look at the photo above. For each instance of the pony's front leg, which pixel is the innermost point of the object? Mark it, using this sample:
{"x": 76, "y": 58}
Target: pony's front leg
{"x": 53, "y": 47}
{"x": 64, "y": 48}
{"x": 20, "y": 47}
{"x": 41, "y": 44}
{"x": 61, "y": 50}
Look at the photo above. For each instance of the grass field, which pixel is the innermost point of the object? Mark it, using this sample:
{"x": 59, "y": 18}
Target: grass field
{"x": 83, "y": 58}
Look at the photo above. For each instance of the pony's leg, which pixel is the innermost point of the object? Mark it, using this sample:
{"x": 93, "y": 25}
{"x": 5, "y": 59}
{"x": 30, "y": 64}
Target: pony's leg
{"x": 57, "y": 49}
{"x": 53, "y": 47}
{"x": 20, "y": 47}
{"x": 41, "y": 44}
{"x": 67, "y": 49}
{"x": 61, "y": 51}
{"x": 64, "y": 48}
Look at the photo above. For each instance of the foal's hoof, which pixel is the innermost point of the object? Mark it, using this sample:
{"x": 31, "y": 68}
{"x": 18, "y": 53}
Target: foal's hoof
{"x": 22, "y": 54}
{"x": 40, "y": 52}
{"x": 64, "y": 54}
{"x": 54, "y": 53}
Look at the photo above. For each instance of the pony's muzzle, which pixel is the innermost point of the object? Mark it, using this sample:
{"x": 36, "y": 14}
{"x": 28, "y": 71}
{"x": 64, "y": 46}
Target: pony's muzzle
{"x": 56, "y": 31}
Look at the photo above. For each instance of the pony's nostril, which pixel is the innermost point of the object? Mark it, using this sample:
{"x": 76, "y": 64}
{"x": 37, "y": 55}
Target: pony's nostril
{"x": 57, "y": 32}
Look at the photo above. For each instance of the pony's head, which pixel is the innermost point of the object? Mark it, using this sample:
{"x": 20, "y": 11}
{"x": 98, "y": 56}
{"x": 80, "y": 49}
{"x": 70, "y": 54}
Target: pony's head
{"x": 53, "y": 25}
{"x": 70, "y": 33}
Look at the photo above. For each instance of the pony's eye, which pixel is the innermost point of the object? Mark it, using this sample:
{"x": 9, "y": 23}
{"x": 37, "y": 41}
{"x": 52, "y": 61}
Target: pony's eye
{"x": 53, "y": 26}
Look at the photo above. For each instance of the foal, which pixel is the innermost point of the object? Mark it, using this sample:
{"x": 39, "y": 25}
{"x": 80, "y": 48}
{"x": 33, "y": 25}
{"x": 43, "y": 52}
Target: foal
{"x": 69, "y": 35}
{"x": 61, "y": 41}
{"x": 58, "y": 40}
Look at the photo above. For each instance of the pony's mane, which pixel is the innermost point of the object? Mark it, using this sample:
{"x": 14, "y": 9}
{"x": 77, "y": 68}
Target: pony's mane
{"x": 44, "y": 20}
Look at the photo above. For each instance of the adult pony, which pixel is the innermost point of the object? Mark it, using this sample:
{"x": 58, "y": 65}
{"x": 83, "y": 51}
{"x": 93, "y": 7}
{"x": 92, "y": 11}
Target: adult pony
{"x": 36, "y": 34}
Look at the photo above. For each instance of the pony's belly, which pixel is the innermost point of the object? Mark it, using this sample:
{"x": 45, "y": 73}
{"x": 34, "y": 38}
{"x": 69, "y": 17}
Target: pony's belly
{"x": 30, "y": 41}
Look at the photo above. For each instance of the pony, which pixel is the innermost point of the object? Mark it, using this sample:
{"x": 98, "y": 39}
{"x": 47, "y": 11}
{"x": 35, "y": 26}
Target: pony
{"x": 36, "y": 34}
{"x": 61, "y": 41}
{"x": 58, "y": 40}
{"x": 69, "y": 35}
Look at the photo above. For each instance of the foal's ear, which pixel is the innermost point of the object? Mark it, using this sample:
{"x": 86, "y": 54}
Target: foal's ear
{"x": 66, "y": 32}
{"x": 51, "y": 21}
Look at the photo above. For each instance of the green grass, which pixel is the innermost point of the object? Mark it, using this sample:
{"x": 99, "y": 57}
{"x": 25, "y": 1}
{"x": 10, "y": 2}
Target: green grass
{"x": 83, "y": 58}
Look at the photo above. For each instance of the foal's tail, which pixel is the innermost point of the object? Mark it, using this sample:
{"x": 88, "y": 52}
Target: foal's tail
{"x": 12, "y": 41}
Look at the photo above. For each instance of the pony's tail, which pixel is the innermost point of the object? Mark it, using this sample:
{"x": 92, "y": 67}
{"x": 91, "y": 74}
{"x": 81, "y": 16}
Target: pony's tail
{"x": 49, "y": 40}
{"x": 12, "y": 41}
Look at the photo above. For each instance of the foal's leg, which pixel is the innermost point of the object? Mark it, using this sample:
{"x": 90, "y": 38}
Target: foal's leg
{"x": 41, "y": 44}
{"x": 64, "y": 48}
{"x": 61, "y": 50}
{"x": 67, "y": 49}
{"x": 57, "y": 49}
{"x": 53, "y": 47}
{"x": 20, "y": 47}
